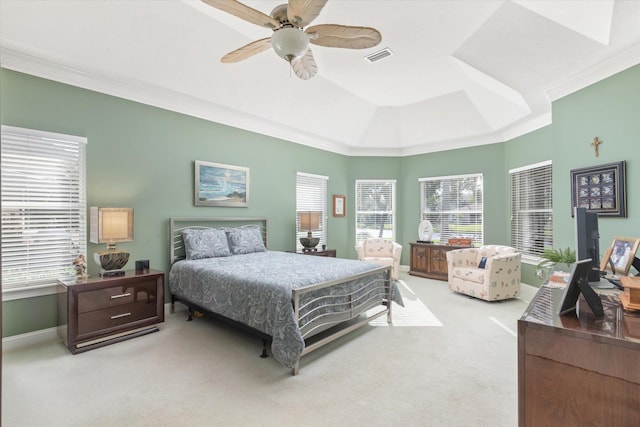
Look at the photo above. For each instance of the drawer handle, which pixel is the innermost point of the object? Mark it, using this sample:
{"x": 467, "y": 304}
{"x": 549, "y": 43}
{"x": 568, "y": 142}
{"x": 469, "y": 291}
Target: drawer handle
{"x": 118, "y": 316}
{"x": 128, "y": 294}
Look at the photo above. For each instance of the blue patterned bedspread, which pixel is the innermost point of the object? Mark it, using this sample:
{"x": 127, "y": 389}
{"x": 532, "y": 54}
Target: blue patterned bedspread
{"x": 255, "y": 289}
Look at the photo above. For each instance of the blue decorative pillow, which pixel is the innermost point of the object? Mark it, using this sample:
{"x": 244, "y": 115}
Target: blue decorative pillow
{"x": 483, "y": 262}
{"x": 245, "y": 240}
{"x": 205, "y": 243}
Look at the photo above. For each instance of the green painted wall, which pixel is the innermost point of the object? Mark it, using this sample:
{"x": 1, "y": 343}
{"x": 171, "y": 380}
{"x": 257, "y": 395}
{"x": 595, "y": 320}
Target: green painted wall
{"x": 534, "y": 147}
{"x": 486, "y": 159}
{"x": 609, "y": 110}
{"x": 142, "y": 157}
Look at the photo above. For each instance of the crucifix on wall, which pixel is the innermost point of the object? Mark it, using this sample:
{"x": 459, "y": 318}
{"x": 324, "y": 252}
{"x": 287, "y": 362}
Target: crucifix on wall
{"x": 596, "y": 142}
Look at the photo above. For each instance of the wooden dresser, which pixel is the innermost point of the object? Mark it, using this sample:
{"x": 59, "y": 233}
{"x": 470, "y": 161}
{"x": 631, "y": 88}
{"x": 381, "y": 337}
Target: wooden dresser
{"x": 430, "y": 260}
{"x": 578, "y": 370}
{"x": 95, "y": 312}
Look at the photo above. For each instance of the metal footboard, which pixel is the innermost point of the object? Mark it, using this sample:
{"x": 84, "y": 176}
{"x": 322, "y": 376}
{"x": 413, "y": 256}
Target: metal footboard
{"x": 340, "y": 313}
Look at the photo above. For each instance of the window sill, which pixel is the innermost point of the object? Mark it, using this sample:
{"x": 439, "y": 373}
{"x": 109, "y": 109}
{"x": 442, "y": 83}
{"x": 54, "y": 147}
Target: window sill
{"x": 28, "y": 292}
{"x": 529, "y": 259}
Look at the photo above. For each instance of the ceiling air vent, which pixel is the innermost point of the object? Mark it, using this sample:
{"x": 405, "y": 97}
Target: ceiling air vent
{"x": 377, "y": 56}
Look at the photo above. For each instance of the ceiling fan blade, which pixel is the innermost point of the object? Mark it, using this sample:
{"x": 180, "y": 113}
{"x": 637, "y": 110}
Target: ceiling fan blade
{"x": 332, "y": 35}
{"x": 305, "y": 66}
{"x": 247, "y": 51}
{"x": 302, "y": 12}
{"x": 243, "y": 11}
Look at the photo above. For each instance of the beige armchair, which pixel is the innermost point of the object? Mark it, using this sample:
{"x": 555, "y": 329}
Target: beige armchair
{"x": 490, "y": 272}
{"x": 382, "y": 252}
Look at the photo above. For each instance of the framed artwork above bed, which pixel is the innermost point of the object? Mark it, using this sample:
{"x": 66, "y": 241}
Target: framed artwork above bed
{"x": 217, "y": 184}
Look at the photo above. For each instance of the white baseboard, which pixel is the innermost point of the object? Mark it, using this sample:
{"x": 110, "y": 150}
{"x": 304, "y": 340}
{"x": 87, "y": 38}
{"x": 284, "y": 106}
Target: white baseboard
{"x": 30, "y": 338}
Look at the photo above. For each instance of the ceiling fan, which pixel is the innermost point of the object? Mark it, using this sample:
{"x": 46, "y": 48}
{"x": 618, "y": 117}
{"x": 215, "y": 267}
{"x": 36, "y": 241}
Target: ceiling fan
{"x": 290, "y": 40}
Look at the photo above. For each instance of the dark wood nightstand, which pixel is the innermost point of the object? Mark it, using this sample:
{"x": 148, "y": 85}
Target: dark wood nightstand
{"x": 326, "y": 252}
{"x": 95, "y": 312}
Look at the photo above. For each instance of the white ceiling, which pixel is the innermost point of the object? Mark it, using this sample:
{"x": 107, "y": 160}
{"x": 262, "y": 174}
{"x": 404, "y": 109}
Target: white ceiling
{"x": 462, "y": 73}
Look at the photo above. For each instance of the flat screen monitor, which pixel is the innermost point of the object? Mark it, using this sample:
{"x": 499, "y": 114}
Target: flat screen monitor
{"x": 588, "y": 241}
{"x": 578, "y": 285}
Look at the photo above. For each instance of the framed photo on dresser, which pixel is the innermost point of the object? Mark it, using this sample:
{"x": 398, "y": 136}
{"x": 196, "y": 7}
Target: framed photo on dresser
{"x": 620, "y": 255}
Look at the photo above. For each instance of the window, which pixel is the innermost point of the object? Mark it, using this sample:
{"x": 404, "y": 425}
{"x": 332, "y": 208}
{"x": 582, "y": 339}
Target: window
{"x": 375, "y": 209}
{"x": 43, "y": 206}
{"x": 311, "y": 198}
{"x": 454, "y": 205}
{"x": 531, "y": 209}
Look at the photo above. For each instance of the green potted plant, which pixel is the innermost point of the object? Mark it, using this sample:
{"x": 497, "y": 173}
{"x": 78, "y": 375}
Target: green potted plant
{"x": 551, "y": 257}
{"x": 558, "y": 262}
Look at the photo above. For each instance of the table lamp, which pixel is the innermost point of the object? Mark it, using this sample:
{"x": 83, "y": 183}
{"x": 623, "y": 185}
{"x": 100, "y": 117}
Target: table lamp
{"x": 111, "y": 226}
{"x": 309, "y": 221}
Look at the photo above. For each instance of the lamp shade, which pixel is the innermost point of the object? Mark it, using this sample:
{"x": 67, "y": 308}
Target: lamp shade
{"x": 111, "y": 225}
{"x": 309, "y": 220}
{"x": 289, "y": 43}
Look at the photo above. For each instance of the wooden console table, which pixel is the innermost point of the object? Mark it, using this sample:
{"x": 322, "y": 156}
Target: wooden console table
{"x": 430, "y": 260}
{"x": 578, "y": 370}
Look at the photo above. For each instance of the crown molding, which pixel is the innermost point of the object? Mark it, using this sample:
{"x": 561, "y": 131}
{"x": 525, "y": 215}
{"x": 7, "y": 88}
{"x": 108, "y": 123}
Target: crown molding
{"x": 41, "y": 65}
{"x": 607, "y": 68}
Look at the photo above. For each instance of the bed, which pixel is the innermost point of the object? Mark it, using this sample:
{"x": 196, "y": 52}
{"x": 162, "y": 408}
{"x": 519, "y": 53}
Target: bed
{"x": 298, "y": 303}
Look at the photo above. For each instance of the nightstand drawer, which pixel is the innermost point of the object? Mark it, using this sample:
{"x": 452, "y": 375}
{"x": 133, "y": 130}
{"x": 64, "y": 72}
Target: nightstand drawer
{"x": 104, "y": 298}
{"x": 98, "y": 320}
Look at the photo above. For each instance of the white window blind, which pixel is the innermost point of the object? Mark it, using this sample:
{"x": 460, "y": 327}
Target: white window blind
{"x": 454, "y": 205}
{"x": 311, "y": 196}
{"x": 532, "y": 208}
{"x": 375, "y": 209}
{"x": 43, "y": 206}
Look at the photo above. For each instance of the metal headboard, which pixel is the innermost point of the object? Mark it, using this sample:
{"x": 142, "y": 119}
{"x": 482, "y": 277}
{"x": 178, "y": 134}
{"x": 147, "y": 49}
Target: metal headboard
{"x": 177, "y": 224}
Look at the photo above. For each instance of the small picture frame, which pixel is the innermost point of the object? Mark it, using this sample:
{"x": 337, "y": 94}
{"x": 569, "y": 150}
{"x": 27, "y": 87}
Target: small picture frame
{"x": 600, "y": 189}
{"x": 339, "y": 205}
{"x": 621, "y": 255}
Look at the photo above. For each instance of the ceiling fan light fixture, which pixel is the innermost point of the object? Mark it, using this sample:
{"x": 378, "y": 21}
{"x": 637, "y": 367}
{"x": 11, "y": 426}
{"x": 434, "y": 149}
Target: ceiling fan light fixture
{"x": 289, "y": 43}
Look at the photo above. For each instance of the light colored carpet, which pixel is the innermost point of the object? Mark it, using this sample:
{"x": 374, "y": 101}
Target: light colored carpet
{"x": 414, "y": 312}
{"x": 204, "y": 373}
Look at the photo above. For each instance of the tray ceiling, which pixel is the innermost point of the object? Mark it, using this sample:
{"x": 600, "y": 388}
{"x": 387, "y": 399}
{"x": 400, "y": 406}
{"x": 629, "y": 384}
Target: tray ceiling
{"x": 461, "y": 73}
